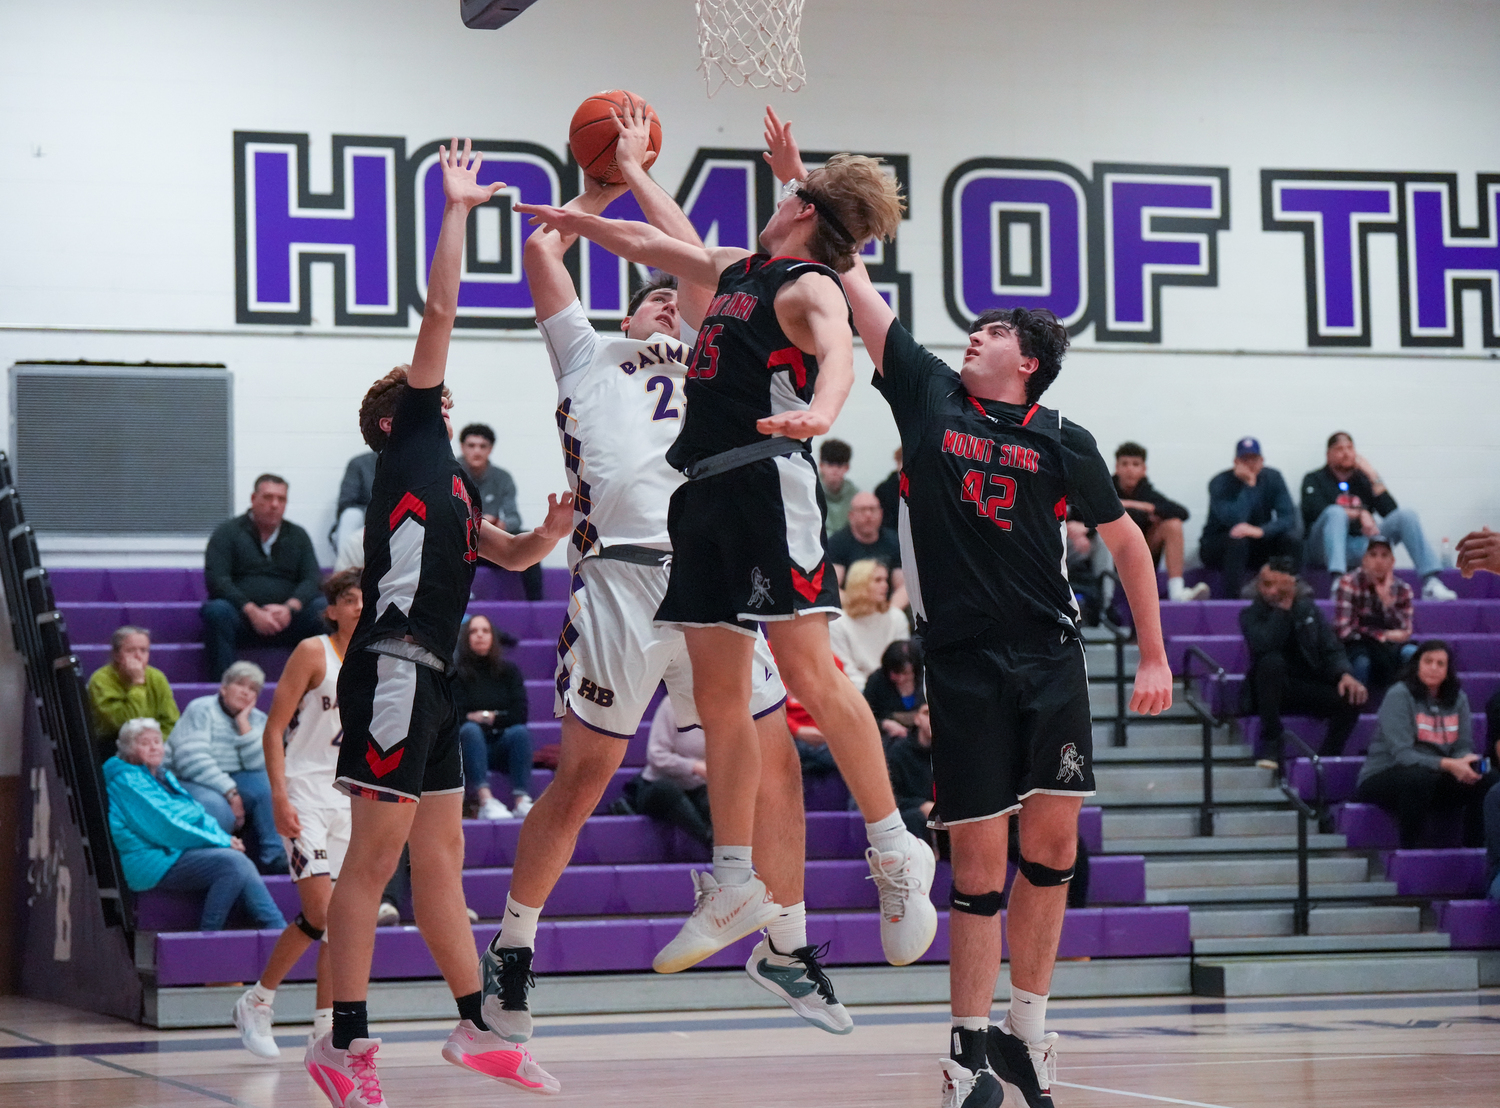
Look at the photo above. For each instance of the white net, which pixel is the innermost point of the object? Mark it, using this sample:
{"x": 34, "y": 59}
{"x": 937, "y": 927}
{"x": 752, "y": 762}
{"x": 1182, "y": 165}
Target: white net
{"x": 751, "y": 42}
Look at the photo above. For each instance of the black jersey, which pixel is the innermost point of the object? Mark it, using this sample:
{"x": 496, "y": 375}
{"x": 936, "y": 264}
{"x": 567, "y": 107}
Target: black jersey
{"x": 421, "y": 532}
{"x": 985, "y": 491}
{"x": 743, "y": 367}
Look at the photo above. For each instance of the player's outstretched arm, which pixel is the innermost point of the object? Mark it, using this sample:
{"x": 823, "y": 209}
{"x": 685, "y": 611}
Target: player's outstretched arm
{"x": 782, "y": 153}
{"x": 296, "y": 678}
{"x": 812, "y": 312}
{"x": 633, "y": 156}
{"x": 872, "y": 315}
{"x": 520, "y": 552}
{"x": 462, "y": 193}
{"x": 1137, "y": 570}
{"x": 547, "y": 275}
{"x": 638, "y": 242}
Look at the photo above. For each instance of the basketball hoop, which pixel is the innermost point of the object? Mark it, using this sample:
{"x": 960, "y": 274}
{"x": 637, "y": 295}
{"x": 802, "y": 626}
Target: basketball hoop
{"x": 751, "y": 42}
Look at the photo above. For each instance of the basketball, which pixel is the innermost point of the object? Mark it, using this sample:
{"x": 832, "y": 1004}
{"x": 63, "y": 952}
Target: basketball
{"x": 593, "y": 134}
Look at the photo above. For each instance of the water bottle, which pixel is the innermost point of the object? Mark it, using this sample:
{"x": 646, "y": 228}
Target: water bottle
{"x": 1449, "y": 559}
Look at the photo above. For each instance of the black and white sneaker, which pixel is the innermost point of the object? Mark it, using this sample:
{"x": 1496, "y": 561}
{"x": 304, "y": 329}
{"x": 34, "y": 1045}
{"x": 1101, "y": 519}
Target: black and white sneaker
{"x": 800, "y": 981}
{"x": 507, "y": 982}
{"x": 1030, "y": 1067}
{"x": 966, "y": 1088}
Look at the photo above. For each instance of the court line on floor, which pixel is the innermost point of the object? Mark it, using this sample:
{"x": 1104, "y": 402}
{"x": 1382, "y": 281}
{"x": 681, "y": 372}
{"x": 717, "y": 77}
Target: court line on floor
{"x": 222, "y": 1098}
{"x": 1138, "y": 1096}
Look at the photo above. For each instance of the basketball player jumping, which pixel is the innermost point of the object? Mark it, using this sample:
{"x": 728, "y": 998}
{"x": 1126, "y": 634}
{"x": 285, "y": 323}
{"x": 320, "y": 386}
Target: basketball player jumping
{"x": 619, "y": 410}
{"x": 772, "y": 367}
{"x": 301, "y": 740}
{"x": 400, "y": 760}
{"x": 987, "y": 479}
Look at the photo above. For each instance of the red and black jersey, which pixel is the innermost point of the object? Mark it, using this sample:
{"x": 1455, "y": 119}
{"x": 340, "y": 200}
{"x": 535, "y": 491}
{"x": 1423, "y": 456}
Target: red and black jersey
{"x": 421, "y": 532}
{"x": 985, "y": 492}
{"x": 743, "y": 367}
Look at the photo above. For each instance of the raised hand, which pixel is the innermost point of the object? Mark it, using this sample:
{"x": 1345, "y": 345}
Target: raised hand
{"x": 559, "y": 521}
{"x": 781, "y": 153}
{"x": 461, "y": 176}
{"x": 564, "y": 221}
{"x": 633, "y": 147}
{"x": 1479, "y": 550}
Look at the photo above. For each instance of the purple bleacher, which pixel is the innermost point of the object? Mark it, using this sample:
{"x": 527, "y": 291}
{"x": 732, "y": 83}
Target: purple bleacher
{"x": 1454, "y": 871}
{"x": 167, "y": 620}
{"x": 493, "y": 583}
{"x": 181, "y": 583}
{"x": 819, "y": 794}
{"x": 1339, "y": 776}
{"x": 1370, "y": 828}
{"x": 541, "y": 620}
{"x": 1471, "y": 924}
{"x": 187, "y": 691}
{"x": 1473, "y": 653}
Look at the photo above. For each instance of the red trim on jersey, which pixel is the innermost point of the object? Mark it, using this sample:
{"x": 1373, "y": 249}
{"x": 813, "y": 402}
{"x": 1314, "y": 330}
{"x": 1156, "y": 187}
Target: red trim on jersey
{"x": 1060, "y": 509}
{"x": 1029, "y": 414}
{"x": 978, "y": 407}
{"x": 408, "y": 503}
{"x": 809, "y": 587}
{"x": 791, "y": 357}
{"x": 905, "y": 487}
{"x": 381, "y": 766}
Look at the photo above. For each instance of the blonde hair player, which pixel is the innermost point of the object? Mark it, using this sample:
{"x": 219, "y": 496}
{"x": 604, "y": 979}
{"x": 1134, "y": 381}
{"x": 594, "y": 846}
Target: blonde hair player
{"x": 772, "y": 366}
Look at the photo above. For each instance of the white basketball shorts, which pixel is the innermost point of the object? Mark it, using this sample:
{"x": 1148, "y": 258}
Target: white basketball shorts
{"x": 323, "y": 842}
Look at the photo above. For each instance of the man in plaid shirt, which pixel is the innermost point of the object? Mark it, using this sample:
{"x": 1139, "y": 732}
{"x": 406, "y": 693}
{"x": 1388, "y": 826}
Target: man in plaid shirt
{"x": 1372, "y": 616}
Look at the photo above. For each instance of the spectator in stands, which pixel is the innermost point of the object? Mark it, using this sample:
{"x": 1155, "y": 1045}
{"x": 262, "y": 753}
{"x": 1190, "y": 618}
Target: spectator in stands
{"x": 673, "y": 786}
{"x": 167, "y": 840}
{"x": 490, "y": 694}
{"x": 1159, "y": 518}
{"x": 216, "y": 752}
{"x": 263, "y": 579}
{"x": 1422, "y": 759}
{"x": 909, "y": 760}
{"x": 497, "y": 493}
{"x": 888, "y": 492}
{"x": 1086, "y": 558}
{"x": 350, "y": 553}
{"x": 1372, "y": 616}
{"x": 865, "y": 536}
{"x": 127, "y": 687}
{"x": 354, "y": 498}
{"x": 1492, "y": 843}
{"x": 1339, "y": 503}
{"x": 869, "y": 624}
{"x": 894, "y": 691}
{"x": 838, "y": 490}
{"x": 1250, "y": 519}
{"x": 1479, "y": 550}
{"x": 1297, "y": 665}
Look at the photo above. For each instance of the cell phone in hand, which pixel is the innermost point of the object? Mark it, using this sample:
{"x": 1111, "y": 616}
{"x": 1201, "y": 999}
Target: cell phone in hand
{"x": 1482, "y": 766}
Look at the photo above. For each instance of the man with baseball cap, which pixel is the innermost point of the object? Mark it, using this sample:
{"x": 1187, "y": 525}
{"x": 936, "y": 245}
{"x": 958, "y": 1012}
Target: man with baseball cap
{"x": 1372, "y": 616}
{"x": 1251, "y": 518}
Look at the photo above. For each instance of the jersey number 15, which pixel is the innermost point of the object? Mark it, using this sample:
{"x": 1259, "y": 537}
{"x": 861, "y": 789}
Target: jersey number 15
{"x": 990, "y": 507}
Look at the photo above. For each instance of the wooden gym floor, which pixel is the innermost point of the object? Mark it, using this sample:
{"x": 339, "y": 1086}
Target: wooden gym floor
{"x": 1440, "y": 1050}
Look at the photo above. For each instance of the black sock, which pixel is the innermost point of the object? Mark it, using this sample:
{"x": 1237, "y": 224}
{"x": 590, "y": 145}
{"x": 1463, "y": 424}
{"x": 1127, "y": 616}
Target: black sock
{"x": 469, "y": 1008}
{"x": 351, "y": 1020}
{"x": 968, "y": 1048}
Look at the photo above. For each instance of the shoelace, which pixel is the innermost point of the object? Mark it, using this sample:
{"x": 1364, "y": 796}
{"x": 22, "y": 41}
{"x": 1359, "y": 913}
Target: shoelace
{"x": 808, "y": 956}
{"x": 363, "y": 1066}
{"x": 701, "y": 892}
{"x": 894, "y": 888}
{"x": 516, "y": 980}
{"x": 1044, "y": 1058}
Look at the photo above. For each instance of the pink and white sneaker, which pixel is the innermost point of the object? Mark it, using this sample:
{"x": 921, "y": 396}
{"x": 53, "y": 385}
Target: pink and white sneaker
{"x": 487, "y": 1053}
{"x": 347, "y": 1077}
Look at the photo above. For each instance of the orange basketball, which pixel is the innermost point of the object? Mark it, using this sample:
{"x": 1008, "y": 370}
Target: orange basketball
{"x": 593, "y": 134}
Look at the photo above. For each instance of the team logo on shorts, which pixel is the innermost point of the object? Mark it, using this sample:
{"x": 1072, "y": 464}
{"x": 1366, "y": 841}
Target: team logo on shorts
{"x": 1071, "y": 764}
{"x": 760, "y": 589}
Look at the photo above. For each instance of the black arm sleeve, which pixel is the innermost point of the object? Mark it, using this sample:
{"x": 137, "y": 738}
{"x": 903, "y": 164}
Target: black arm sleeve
{"x": 1089, "y": 484}
{"x": 912, "y": 380}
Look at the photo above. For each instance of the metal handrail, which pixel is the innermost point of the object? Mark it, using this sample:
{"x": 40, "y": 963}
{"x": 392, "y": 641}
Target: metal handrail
{"x": 1209, "y": 721}
{"x": 1320, "y": 789}
{"x": 1301, "y": 908}
{"x": 1121, "y": 638}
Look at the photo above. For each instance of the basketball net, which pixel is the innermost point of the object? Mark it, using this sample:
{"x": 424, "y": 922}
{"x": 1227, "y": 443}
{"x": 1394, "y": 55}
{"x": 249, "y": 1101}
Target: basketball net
{"x": 751, "y": 42}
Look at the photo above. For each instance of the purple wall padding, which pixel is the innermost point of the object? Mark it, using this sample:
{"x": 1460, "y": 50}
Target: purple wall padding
{"x": 1369, "y": 828}
{"x": 1455, "y": 871}
{"x": 1339, "y": 776}
{"x": 1471, "y": 924}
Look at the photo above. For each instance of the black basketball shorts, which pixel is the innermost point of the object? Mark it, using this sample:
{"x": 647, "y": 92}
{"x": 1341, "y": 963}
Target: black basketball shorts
{"x": 748, "y": 547}
{"x": 1010, "y": 718}
{"x": 400, "y": 730}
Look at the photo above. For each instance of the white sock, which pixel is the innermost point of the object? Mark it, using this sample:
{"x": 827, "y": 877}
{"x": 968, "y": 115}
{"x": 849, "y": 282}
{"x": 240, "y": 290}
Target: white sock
{"x": 788, "y": 931}
{"x": 889, "y": 834}
{"x": 519, "y": 928}
{"x": 972, "y": 1023}
{"x": 322, "y": 1022}
{"x": 732, "y": 865}
{"x": 1175, "y": 588}
{"x": 262, "y": 994}
{"x": 1027, "y": 1016}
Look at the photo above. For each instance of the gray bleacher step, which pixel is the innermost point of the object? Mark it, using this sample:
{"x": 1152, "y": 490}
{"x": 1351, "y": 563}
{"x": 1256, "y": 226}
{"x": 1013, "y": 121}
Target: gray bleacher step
{"x": 1221, "y": 844}
{"x": 1146, "y": 731}
{"x": 1151, "y": 778}
{"x": 1387, "y": 919}
{"x": 1334, "y": 973}
{"x": 1100, "y": 657}
{"x": 1253, "y": 870}
{"x": 1183, "y": 823}
{"x": 1319, "y": 944}
{"x": 1249, "y": 894}
{"x": 1107, "y": 797}
{"x": 1102, "y": 702}
{"x": 1135, "y": 754}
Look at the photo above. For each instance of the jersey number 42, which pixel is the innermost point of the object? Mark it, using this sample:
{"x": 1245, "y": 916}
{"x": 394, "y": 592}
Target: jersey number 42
{"x": 990, "y": 507}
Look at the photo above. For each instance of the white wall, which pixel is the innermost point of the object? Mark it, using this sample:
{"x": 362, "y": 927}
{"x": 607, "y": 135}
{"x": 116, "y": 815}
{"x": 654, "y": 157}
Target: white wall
{"x": 116, "y": 198}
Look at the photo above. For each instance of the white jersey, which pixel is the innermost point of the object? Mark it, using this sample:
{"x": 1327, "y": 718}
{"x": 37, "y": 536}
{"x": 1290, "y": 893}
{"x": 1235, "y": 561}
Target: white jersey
{"x": 619, "y": 408}
{"x": 312, "y": 740}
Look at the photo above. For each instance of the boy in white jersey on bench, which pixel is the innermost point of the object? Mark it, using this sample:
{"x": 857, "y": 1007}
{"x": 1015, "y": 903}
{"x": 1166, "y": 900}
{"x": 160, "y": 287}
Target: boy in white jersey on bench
{"x": 772, "y": 367}
{"x": 619, "y": 410}
{"x": 301, "y": 740}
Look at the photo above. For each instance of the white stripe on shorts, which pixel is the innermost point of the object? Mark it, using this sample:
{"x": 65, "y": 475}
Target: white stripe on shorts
{"x": 395, "y": 694}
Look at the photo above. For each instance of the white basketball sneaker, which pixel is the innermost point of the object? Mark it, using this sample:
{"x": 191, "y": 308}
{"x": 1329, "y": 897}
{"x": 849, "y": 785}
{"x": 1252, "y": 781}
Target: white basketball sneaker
{"x": 966, "y": 1088}
{"x": 347, "y": 1077}
{"x": 487, "y": 1053}
{"x": 908, "y": 921}
{"x": 800, "y": 980}
{"x": 254, "y": 1021}
{"x": 507, "y": 984}
{"x": 1030, "y": 1067}
{"x": 722, "y": 914}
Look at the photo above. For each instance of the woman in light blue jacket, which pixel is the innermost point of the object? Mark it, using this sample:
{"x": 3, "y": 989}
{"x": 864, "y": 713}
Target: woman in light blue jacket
{"x": 167, "y": 840}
